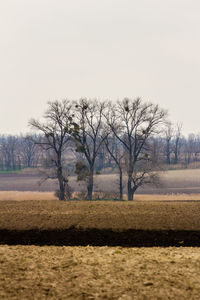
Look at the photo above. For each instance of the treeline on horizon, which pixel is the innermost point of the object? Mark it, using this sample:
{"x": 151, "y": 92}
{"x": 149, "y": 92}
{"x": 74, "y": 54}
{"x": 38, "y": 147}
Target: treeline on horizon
{"x": 171, "y": 148}
{"x": 101, "y": 137}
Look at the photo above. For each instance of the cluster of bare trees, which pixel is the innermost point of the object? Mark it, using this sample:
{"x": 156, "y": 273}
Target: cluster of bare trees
{"x": 124, "y": 129}
{"x": 85, "y": 137}
{"x": 17, "y": 152}
{"x": 175, "y": 149}
{"x": 170, "y": 148}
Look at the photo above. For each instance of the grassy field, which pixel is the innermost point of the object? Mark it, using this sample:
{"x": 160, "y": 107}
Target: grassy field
{"x": 31, "y": 272}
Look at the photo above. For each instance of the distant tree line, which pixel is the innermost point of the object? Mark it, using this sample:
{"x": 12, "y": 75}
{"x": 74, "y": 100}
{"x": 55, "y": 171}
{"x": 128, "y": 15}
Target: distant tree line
{"x": 19, "y": 151}
{"x": 88, "y": 137}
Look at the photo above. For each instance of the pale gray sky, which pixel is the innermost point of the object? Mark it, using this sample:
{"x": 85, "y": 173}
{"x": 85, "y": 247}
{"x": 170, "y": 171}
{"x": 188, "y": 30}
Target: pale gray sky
{"x": 55, "y": 49}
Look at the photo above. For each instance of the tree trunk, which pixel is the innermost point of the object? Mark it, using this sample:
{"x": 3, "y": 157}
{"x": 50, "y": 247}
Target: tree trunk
{"x": 120, "y": 185}
{"x": 60, "y": 181}
{"x": 90, "y": 185}
{"x": 176, "y": 158}
{"x": 176, "y": 153}
{"x": 134, "y": 190}
{"x": 168, "y": 153}
{"x": 130, "y": 190}
{"x": 61, "y": 188}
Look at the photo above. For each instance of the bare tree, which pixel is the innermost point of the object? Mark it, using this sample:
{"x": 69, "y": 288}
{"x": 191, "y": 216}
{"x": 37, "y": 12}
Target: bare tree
{"x": 10, "y": 152}
{"x": 156, "y": 144}
{"x": 190, "y": 148}
{"x": 197, "y": 147}
{"x": 116, "y": 151}
{"x": 177, "y": 142}
{"x": 102, "y": 156}
{"x": 168, "y": 142}
{"x": 29, "y": 150}
{"x": 89, "y": 135}
{"x": 57, "y": 130}
{"x": 133, "y": 123}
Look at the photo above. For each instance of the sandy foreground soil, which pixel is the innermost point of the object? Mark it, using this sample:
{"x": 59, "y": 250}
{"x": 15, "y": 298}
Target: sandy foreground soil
{"x": 31, "y": 272}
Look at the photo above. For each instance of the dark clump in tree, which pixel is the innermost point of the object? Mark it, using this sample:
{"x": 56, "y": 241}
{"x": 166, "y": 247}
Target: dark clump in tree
{"x": 81, "y": 170}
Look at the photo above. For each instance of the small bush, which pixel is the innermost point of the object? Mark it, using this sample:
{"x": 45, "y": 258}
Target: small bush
{"x": 68, "y": 192}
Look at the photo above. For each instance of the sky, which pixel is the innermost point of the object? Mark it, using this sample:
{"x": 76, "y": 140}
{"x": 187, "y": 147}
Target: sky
{"x": 109, "y": 49}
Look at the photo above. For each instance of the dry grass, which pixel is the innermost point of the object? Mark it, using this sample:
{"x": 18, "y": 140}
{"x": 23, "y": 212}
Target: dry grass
{"x": 169, "y": 197}
{"x": 22, "y": 196}
{"x": 32, "y": 272}
{"x": 39, "y": 196}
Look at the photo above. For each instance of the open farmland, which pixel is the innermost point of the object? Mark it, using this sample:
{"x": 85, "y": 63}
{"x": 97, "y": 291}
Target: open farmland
{"x": 173, "y": 181}
{"x": 100, "y": 223}
{"x": 54, "y": 265}
{"x": 31, "y": 272}
{"x": 66, "y": 270}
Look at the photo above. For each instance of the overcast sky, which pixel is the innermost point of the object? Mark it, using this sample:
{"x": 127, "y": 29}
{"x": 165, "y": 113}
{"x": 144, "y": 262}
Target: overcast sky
{"x": 109, "y": 49}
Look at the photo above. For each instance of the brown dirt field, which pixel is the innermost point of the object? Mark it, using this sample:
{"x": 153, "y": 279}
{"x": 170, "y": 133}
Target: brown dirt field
{"x": 100, "y": 223}
{"x": 123, "y": 215}
{"x": 30, "y": 272}
{"x": 25, "y": 182}
{"x": 173, "y": 181}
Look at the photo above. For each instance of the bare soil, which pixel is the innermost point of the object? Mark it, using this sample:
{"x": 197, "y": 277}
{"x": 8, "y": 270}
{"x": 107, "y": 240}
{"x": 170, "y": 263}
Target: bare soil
{"x": 31, "y": 272}
{"x": 51, "y": 272}
{"x": 100, "y": 223}
{"x": 116, "y": 215}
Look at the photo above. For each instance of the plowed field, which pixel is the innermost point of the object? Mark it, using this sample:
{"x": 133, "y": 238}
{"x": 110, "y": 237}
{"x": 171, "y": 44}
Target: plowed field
{"x": 31, "y": 272}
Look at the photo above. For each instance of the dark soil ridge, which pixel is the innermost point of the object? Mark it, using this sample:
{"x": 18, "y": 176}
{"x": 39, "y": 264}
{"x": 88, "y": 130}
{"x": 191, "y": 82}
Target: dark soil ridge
{"x": 101, "y": 237}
